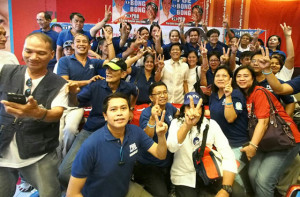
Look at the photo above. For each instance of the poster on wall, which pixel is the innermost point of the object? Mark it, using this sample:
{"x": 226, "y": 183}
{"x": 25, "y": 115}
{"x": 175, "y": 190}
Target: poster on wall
{"x": 5, "y": 22}
{"x": 174, "y": 11}
{"x": 135, "y": 11}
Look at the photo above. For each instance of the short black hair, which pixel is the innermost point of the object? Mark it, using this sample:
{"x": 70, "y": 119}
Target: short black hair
{"x": 210, "y": 54}
{"x": 154, "y": 6}
{"x": 199, "y": 8}
{"x": 256, "y": 53}
{"x": 112, "y": 96}
{"x": 212, "y": 31}
{"x": 155, "y": 84}
{"x": 246, "y": 54}
{"x": 47, "y": 15}
{"x": 79, "y": 34}
{"x": 174, "y": 30}
{"x": 56, "y": 25}
{"x": 194, "y": 29}
{"x": 128, "y": 24}
{"x": 175, "y": 44}
{"x": 77, "y": 14}
{"x": 214, "y": 87}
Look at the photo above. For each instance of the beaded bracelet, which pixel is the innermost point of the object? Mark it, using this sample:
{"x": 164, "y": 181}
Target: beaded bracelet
{"x": 229, "y": 103}
{"x": 255, "y": 146}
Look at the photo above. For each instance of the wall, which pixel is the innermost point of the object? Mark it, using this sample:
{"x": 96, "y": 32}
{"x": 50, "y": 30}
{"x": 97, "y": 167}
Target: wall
{"x": 264, "y": 14}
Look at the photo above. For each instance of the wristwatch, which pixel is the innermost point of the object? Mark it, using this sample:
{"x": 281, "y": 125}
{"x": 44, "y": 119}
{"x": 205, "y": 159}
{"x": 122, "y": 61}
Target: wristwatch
{"x": 227, "y": 188}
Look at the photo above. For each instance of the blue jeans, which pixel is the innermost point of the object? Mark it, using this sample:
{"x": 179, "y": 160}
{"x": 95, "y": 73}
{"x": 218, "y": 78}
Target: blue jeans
{"x": 66, "y": 165}
{"x": 42, "y": 175}
{"x": 266, "y": 167}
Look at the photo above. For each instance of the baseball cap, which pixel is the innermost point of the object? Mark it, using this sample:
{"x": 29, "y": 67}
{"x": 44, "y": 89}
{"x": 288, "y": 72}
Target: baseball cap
{"x": 117, "y": 64}
{"x": 196, "y": 97}
{"x": 68, "y": 43}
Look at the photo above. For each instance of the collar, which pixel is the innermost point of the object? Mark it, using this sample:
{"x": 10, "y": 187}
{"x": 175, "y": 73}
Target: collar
{"x": 173, "y": 62}
{"x": 109, "y": 137}
{"x": 121, "y": 85}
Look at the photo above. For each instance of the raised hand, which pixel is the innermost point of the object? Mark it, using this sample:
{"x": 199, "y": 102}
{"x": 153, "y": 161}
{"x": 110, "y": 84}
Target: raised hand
{"x": 161, "y": 63}
{"x": 202, "y": 47}
{"x": 141, "y": 53}
{"x": 72, "y": 87}
{"x": 234, "y": 47}
{"x": 225, "y": 21}
{"x": 225, "y": 57}
{"x": 157, "y": 36}
{"x": 264, "y": 62}
{"x": 156, "y": 110}
{"x": 256, "y": 34}
{"x": 107, "y": 13}
{"x": 192, "y": 115}
{"x": 95, "y": 78}
{"x": 161, "y": 127}
{"x": 181, "y": 25}
{"x": 107, "y": 34}
{"x": 228, "y": 88}
{"x": 287, "y": 30}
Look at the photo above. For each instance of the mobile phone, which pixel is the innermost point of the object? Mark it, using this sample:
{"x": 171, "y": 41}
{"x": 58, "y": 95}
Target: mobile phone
{"x": 16, "y": 98}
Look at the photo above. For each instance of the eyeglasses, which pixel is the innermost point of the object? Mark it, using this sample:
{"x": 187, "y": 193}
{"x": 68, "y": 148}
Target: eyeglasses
{"x": 214, "y": 60}
{"x": 254, "y": 61}
{"x": 121, "y": 162}
{"x": 29, "y": 85}
{"x": 161, "y": 93}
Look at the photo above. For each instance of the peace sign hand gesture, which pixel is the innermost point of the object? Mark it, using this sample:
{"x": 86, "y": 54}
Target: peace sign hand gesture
{"x": 161, "y": 126}
{"x": 161, "y": 63}
{"x": 228, "y": 88}
{"x": 287, "y": 30}
{"x": 234, "y": 47}
{"x": 192, "y": 115}
{"x": 107, "y": 14}
{"x": 225, "y": 57}
{"x": 264, "y": 62}
{"x": 202, "y": 47}
{"x": 156, "y": 110}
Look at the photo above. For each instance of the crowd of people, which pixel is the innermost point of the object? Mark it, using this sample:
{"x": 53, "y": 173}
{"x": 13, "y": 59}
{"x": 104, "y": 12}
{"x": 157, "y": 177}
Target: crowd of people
{"x": 193, "y": 89}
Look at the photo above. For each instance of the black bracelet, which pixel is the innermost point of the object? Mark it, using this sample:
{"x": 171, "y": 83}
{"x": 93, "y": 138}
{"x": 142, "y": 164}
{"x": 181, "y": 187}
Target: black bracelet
{"x": 44, "y": 116}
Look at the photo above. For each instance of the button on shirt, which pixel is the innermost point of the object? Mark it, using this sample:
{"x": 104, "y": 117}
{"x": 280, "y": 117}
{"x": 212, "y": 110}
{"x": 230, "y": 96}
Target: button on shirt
{"x": 173, "y": 75}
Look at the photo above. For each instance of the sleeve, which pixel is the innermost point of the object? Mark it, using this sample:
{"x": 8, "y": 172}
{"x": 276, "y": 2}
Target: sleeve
{"x": 172, "y": 141}
{"x": 146, "y": 141}
{"x": 294, "y": 83}
{"x": 239, "y": 101}
{"x": 98, "y": 63}
{"x": 116, "y": 44}
{"x": 287, "y": 99}
{"x": 62, "y": 67}
{"x": 82, "y": 166}
{"x": 85, "y": 95}
{"x": 60, "y": 41}
{"x": 186, "y": 72}
{"x": 144, "y": 118}
{"x": 62, "y": 99}
{"x": 285, "y": 74}
{"x": 261, "y": 105}
{"x": 134, "y": 90}
{"x": 222, "y": 145}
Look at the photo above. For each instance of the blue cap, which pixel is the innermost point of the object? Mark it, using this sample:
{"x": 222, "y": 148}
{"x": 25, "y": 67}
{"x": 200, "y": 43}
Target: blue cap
{"x": 278, "y": 52}
{"x": 196, "y": 97}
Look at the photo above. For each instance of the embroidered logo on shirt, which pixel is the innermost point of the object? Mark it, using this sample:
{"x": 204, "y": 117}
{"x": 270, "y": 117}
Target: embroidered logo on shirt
{"x": 196, "y": 141}
{"x": 238, "y": 106}
{"x": 170, "y": 118}
{"x": 223, "y": 103}
{"x": 91, "y": 66}
{"x": 133, "y": 149}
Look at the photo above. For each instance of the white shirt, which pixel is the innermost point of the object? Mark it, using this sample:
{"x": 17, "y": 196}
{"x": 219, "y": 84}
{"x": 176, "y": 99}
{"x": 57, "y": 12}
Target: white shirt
{"x": 163, "y": 17}
{"x": 285, "y": 74}
{"x": 192, "y": 79}
{"x": 183, "y": 170}
{"x": 115, "y": 13}
{"x": 11, "y": 156}
{"x": 173, "y": 74}
{"x": 7, "y": 58}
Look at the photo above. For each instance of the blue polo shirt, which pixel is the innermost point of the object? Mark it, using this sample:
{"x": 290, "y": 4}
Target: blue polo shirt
{"x": 53, "y": 35}
{"x": 295, "y": 84}
{"x": 209, "y": 76}
{"x": 286, "y": 99}
{"x": 236, "y": 132}
{"x": 147, "y": 158}
{"x": 67, "y": 35}
{"x": 116, "y": 43}
{"x": 94, "y": 95}
{"x": 98, "y": 160}
{"x": 138, "y": 78}
{"x": 218, "y": 48}
{"x": 189, "y": 47}
{"x": 70, "y": 66}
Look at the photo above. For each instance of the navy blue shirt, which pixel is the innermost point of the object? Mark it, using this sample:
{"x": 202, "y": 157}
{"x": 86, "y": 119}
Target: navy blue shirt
{"x": 67, "y": 35}
{"x": 218, "y": 48}
{"x": 94, "y": 95}
{"x": 189, "y": 47}
{"x": 285, "y": 98}
{"x": 147, "y": 158}
{"x": 209, "y": 76}
{"x": 236, "y": 132}
{"x": 53, "y": 35}
{"x": 138, "y": 78}
{"x": 98, "y": 160}
{"x": 70, "y": 66}
{"x": 295, "y": 84}
{"x": 116, "y": 43}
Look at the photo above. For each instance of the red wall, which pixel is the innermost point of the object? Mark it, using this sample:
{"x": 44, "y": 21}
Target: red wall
{"x": 264, "y": 14}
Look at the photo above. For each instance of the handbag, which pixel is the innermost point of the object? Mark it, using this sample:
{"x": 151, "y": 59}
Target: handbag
{"x": 278, "y": 135}
{"x": 207, "y": 165}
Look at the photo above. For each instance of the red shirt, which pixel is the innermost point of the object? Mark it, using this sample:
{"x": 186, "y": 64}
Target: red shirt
{"x": 262, "y": 109}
